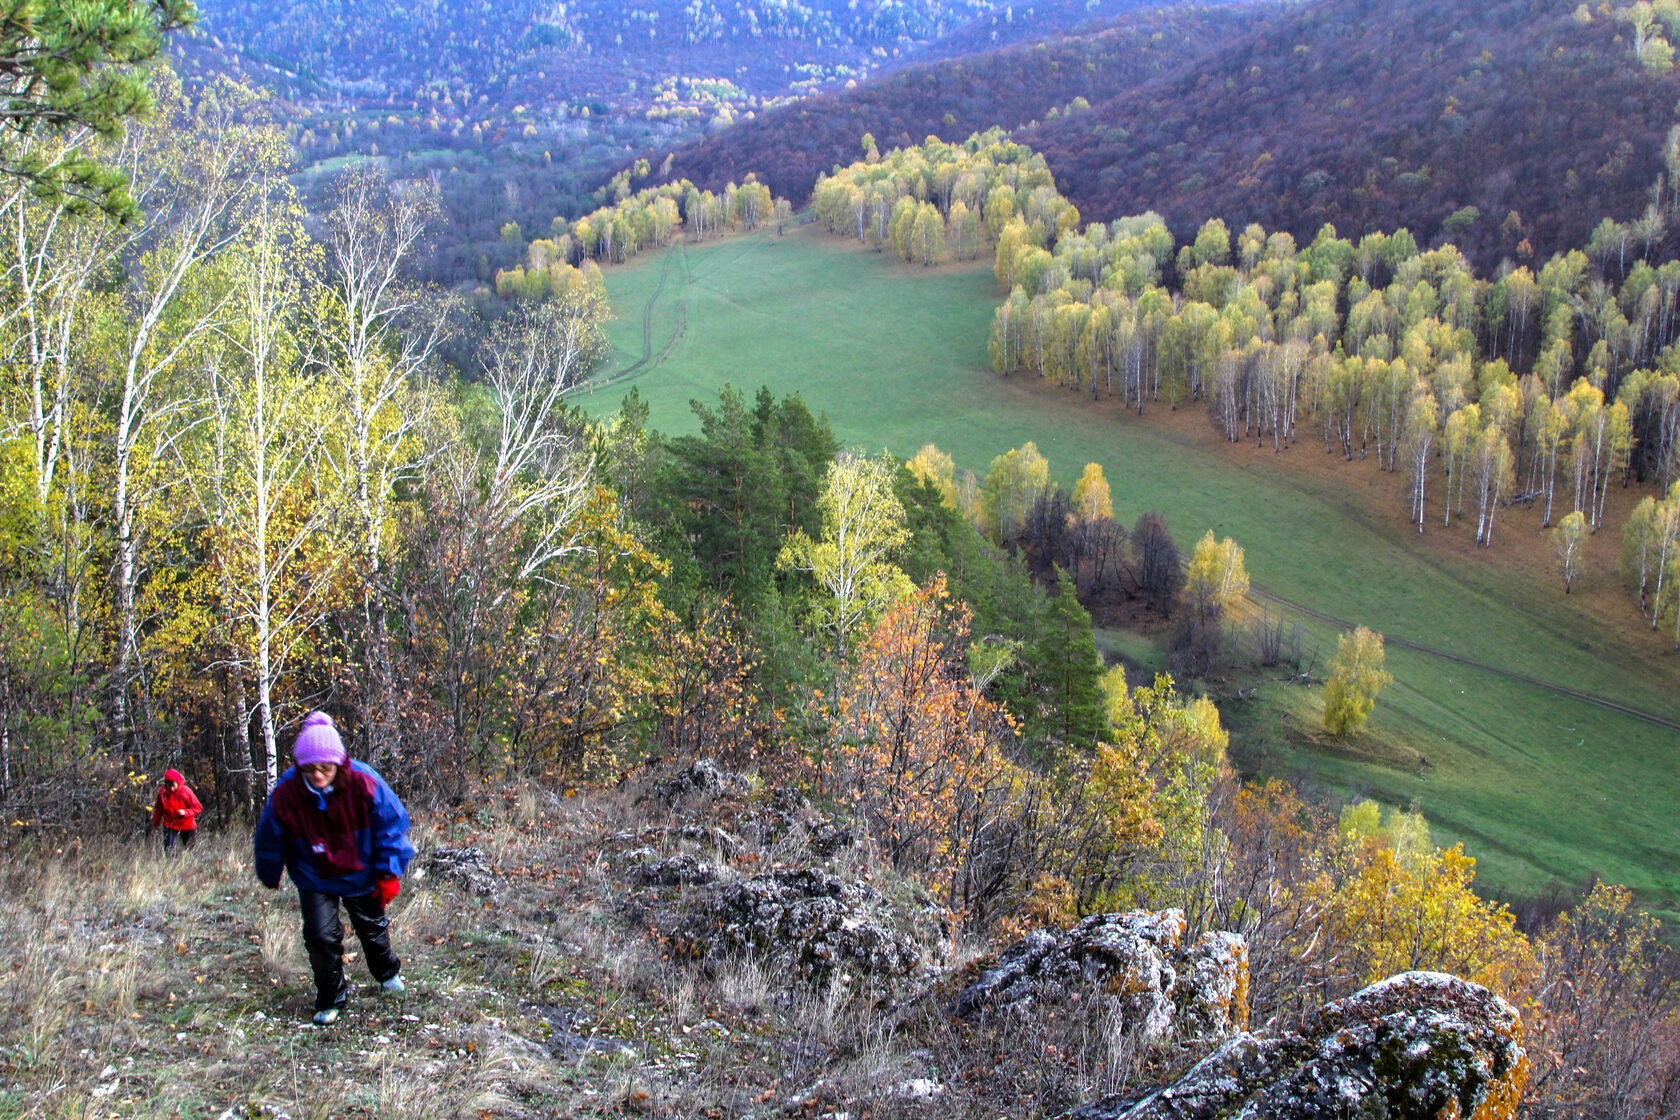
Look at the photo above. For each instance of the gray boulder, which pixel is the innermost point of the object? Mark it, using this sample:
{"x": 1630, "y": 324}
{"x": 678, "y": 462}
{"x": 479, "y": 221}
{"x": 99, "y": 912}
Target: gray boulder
{"x": 807, "y": 924}
{"x": 1417, "y": 1046}
{"x": 1138, "y": 962}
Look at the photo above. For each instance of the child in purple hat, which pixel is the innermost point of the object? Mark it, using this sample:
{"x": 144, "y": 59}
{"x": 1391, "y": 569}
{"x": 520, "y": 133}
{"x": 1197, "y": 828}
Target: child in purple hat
{"x": 342, "y": 835}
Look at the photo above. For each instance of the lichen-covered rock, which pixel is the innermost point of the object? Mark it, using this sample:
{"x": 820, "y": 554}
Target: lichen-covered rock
{"x": 1212, "y": 992}
{"x": 1136, "y": 961}
{"x": 807, "y": 924}
{"x": 1418, "y": 1046}
{"x": 786, "y": 820}
{"x": 678, "y": 870}
{"x": 468, "y": 867}
{"x": 701, "y": 777}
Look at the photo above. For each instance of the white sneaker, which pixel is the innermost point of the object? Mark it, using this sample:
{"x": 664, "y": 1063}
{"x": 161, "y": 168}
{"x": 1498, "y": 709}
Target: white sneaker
{"x": 393, "y": 985}
{"x": 326, "y": 1017}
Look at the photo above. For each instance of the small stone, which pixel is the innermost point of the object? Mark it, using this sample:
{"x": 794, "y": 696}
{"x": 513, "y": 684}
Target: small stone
{"x": 917, "y": 1089}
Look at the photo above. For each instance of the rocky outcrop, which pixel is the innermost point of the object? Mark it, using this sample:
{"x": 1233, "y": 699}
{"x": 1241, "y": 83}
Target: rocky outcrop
{"x": 735, "y": 877}
{"x": 1136, "y": 961}
{"x": 701, "y": 778}
{"x": 808, "y": 924}
{"x": 786, "y": 820}
{"x": 1418, "y": 1046}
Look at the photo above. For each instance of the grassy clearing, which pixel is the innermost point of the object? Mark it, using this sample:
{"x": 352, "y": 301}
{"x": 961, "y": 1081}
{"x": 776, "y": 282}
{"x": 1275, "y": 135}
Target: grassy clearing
{"x": 1542, "y": 787}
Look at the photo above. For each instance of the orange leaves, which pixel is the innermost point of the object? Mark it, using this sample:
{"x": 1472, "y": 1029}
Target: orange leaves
{"x": 914, "y": 747}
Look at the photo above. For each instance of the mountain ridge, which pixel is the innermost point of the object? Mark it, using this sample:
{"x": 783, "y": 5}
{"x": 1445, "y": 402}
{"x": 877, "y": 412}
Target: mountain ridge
{"x": 1517, "y": 122}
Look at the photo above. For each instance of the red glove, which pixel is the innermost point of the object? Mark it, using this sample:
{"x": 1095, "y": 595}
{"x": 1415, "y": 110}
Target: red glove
{"x": 386, "y": 891}
{"x": 274, "y": 886}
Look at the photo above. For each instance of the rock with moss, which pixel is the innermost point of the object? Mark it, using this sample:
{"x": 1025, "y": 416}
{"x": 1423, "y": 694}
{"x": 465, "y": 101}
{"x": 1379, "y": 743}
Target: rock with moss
{"x": 1211, "y": 995}
{"x": 1138, "y": 963}
{"x": 1417, "y": 1046}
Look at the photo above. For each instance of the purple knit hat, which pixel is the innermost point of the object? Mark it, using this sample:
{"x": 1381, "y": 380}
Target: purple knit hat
{"x": 319, "y": 742}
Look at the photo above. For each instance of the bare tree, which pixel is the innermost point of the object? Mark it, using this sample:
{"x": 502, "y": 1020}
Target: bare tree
{"x": 376, "y": 335}
{"x": 1157, "y": 565}
{"x": 508, "y": 517}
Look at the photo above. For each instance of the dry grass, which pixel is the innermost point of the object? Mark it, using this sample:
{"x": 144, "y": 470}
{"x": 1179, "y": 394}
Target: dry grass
{"x": 149, "y": 987}
{"x": 743, "y": 983}
{"x": 282, "y": 940}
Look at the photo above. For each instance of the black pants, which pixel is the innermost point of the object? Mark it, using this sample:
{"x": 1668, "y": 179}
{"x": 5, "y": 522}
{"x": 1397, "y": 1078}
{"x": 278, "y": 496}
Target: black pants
{"x": 323, "y": 935}
{"x": 185, "y": 836}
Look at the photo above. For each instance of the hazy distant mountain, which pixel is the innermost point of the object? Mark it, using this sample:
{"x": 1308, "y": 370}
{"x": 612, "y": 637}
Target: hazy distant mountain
{"x": 604, "y": 49}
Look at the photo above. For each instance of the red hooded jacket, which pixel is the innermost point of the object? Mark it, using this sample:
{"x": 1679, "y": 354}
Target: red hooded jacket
{"x": 176, "y": 808}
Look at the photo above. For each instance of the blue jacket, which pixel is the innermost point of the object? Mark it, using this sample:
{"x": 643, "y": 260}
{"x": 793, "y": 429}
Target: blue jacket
{"x": 383, "y": 846}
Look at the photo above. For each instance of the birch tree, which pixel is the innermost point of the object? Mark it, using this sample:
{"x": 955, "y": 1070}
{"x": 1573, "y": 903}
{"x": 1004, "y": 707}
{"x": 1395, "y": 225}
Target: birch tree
{"x": 1567, "y": 539}
{"x": 1652, "y": 538}
{"x": 376, "y": 335}
{"x": 210, "y": 161}
{"x": 272, "y": 502}
{"x": 1419, "y": 442}
{"x": 1356, "y": 676}
{"x": 1014, "y": 482}
{"x": 1217, "y": 578}
{"x": 52, "y": 318}
{"x": 1490, "y": 469}
{"x": 862, "y": 527}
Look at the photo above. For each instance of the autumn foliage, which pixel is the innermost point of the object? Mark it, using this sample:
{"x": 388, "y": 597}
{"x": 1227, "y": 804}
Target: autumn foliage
{"x": 914, "y": 748}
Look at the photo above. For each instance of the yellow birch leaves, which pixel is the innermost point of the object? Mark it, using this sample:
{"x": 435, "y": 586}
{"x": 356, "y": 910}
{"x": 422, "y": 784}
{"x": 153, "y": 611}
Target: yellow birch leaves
{"x": 1356, "y": 676}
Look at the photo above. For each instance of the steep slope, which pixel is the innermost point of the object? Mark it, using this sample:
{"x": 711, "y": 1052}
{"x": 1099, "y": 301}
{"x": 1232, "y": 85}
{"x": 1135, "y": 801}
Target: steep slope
{"x": 790, "y": 146}
{"x": 1517, "y": 120}
{"x": 1375, "y": 115}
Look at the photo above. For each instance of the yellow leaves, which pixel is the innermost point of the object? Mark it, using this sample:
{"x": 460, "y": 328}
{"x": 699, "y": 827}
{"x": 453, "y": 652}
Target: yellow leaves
{"x": 1396, "y": 917}
{"x": 1092, "y": 500}
{"x": 1119, "y": 786}
{"x": 1014, "y": 481}
{"x": 1356, "y": 676}
{"x": 1218, "y": 578}
{"x": 862, "y": 528}
{"x": 936, "y": 469}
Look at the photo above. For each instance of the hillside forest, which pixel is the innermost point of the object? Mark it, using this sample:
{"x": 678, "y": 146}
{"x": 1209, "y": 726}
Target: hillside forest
{"x": 521, "y": 111}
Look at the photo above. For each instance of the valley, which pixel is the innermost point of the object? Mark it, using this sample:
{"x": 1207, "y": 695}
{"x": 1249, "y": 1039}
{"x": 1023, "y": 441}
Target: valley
{"x": 1544, "y": 787}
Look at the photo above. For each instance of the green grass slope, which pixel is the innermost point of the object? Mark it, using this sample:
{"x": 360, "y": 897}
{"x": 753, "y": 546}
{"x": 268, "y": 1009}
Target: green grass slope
{"x": 1542, "y": 786}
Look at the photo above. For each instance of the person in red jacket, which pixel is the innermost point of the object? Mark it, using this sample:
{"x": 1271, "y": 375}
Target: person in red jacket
{"x": 177, "y": 810}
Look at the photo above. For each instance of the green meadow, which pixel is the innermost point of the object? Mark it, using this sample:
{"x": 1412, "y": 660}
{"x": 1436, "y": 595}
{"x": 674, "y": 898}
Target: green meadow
{"x": 1540, "y": 786}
